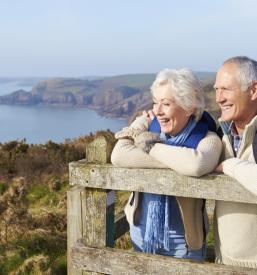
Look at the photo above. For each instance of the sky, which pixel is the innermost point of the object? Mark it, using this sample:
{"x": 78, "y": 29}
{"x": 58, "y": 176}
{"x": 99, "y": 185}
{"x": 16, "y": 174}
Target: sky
{"x": 72, "y": 38}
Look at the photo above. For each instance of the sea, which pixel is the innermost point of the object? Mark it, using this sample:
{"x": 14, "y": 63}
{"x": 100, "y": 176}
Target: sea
{"x": 41, "y": 124}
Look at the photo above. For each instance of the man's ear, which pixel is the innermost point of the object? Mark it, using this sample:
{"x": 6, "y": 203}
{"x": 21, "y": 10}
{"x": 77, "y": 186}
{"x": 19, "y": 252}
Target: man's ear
{"x": 254, "y": 91}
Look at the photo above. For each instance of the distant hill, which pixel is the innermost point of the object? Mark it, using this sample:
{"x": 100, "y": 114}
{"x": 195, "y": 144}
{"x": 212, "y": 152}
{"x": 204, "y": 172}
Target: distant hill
{"x": 23, "y": 81}
{"x": 116, "y": 96}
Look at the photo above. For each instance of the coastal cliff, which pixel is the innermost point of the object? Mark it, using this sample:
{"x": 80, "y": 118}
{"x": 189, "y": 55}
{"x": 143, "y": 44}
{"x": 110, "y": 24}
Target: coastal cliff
{"x": 118, "y": 96}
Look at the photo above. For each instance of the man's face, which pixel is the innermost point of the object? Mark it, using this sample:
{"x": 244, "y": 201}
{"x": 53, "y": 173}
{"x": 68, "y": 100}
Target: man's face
{"x": 235, "y": 104}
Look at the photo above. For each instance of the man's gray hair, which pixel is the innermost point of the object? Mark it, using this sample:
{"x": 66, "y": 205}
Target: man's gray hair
{"x": 185, "y": 88}
{"x": 247, "y": 70}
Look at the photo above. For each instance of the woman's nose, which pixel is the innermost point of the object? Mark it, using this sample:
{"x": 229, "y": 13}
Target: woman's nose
{"x": 158, "y": 109}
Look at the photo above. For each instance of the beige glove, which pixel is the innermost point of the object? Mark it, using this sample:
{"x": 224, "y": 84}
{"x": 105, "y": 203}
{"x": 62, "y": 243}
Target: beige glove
{"x": 137, "y": 132}
{"x": 128, "y": 132}
{"x": 146, "y": 141}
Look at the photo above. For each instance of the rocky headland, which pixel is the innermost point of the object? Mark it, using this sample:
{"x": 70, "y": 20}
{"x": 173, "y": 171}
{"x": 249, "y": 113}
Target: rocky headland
{"x": 118, "y": 96}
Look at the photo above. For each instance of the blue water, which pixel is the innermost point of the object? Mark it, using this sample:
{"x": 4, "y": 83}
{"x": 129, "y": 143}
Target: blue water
{"x": 40, "y": 124}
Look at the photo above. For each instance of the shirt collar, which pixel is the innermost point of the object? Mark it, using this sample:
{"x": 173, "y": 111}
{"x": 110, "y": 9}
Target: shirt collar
{"x": 233, "y": 131}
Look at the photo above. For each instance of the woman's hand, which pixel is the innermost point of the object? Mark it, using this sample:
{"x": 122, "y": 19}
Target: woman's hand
{"x": 137, "y": 127}
{"x": 149, "y": 115}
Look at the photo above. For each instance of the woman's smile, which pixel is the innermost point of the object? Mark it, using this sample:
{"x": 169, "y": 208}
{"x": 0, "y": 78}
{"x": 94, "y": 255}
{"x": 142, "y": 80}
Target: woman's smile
{"x": 170, "y": 115}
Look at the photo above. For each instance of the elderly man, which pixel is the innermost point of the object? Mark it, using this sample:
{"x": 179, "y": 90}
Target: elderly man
{"x": 236, "y": 223}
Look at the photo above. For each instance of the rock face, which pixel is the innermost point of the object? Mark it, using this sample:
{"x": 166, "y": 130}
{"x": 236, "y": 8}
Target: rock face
{"x": 109, "y": 97}
{"x": 20, "y": 97}
{"x": 118, "y": 96}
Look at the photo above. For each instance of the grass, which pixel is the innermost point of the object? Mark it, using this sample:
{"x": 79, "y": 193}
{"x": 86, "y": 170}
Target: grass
{"x": 43, "y": 195}
{"x": 50, "y": 247}
{"x": 11, "y": 262}
{"x": 59, "y": 265}
{"x": 3, "y": 187}
{"x": 36, "y": 193}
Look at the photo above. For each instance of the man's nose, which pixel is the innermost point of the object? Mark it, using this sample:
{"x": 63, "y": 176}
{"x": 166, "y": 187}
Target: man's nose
{"x": 219, "y": 95}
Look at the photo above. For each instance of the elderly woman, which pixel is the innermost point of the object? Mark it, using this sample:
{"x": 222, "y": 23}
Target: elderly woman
{"x": 175, "y": 134}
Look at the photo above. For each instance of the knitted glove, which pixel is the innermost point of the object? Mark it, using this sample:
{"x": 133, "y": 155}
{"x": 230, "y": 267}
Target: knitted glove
{"x": 128, "y": 132}
{"x": 146, "y": 140}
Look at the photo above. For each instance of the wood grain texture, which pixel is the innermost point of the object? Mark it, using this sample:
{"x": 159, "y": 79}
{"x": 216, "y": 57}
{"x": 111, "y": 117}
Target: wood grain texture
{"x": 89, "y": 216}
{"x": 115, "y": 261}
{"x": 160, "y": 181}
{"x": 74, "y": 223}
{"x": 95, "y": 220}
{"x": 100, "y": 149}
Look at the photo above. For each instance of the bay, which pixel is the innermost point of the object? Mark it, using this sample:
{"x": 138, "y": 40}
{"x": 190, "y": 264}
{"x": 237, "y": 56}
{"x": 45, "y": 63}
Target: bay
{"x": 41, "y": 124}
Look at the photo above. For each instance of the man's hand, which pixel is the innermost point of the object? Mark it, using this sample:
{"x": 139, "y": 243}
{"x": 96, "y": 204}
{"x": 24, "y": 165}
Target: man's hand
{"x": 219, "y": 168}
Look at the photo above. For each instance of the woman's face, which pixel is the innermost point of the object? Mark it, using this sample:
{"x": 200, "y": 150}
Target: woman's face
{"x": 172, "y": 117}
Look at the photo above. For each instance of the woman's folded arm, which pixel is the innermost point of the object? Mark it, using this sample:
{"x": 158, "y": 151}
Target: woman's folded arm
{"x": 126, "y": 154}
{"x": 187, "y": 161}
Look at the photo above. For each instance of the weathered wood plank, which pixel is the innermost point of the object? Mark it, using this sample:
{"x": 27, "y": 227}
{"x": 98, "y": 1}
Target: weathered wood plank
{"x": 91, "y": 211}
{"x": 161, "y": 181}
{"x": 115, "y": 261}
{"x": 95, "y": 219}
{"x": 96, "y": 227}
{"x": 100, "y": 149}
{"x": 99, "y": 203}
{"x": 74, "y": 223}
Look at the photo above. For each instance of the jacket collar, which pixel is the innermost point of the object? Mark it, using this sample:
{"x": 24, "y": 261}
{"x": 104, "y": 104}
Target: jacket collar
{"x": 226, "y": 126}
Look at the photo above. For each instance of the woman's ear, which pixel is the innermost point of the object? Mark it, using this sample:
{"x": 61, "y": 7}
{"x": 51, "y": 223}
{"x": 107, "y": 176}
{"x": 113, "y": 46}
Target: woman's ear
{"x": 190, "y": 113}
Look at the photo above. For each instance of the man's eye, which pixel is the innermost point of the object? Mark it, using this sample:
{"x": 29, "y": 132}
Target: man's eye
{"x": 166, "y": 104}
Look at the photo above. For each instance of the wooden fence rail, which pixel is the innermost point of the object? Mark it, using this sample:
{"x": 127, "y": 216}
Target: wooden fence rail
{"x": 92, "y": 227}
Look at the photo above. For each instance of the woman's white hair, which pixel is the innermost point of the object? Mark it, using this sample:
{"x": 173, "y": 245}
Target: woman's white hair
{"x": 185, "y": 88}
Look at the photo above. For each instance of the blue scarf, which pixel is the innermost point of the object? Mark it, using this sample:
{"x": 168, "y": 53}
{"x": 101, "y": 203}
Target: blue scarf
{"x": 157, "y": 220}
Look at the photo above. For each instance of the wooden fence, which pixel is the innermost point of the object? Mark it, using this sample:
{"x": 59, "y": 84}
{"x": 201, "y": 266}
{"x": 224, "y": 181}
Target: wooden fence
{"x": 92, "y": 227}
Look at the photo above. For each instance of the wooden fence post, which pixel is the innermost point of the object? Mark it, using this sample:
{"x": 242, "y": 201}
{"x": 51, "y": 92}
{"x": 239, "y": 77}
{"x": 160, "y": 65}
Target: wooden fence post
{"x": 75, "y": 223}
{"x": 92, "y": 216}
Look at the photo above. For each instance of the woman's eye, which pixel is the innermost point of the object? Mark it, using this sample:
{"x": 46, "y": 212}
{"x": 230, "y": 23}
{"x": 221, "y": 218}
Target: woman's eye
{"x": 166, "y": 104}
